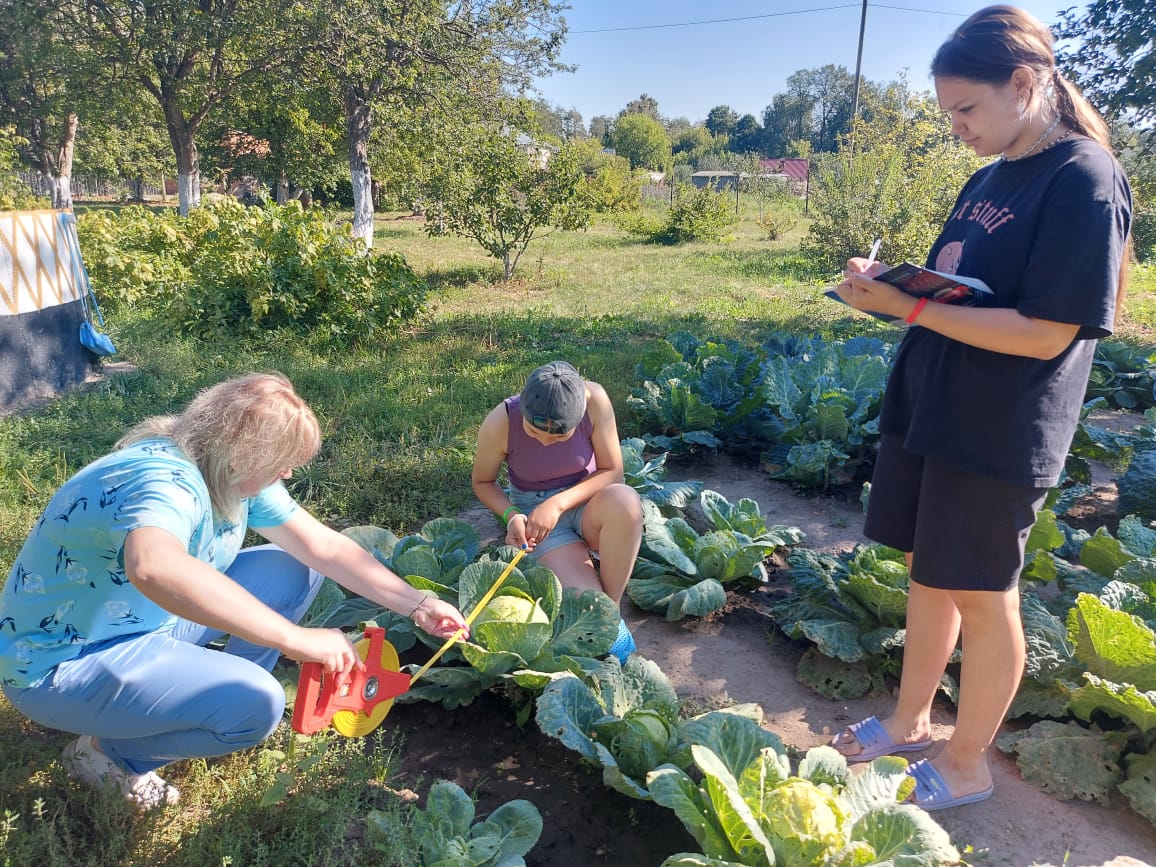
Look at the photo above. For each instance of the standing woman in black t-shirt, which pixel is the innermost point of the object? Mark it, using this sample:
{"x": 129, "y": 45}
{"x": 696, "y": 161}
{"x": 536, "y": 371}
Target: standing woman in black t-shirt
{"x": 982, "y": 402}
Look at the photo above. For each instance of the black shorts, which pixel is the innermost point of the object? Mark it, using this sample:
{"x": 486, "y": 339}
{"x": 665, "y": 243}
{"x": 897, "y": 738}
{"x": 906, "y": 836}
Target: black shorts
{"x": 966, "y": 532}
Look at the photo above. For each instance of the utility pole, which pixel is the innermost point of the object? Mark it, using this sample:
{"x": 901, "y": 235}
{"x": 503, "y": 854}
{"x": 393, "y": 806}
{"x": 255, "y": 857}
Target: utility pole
{"x": 858, "y": 67}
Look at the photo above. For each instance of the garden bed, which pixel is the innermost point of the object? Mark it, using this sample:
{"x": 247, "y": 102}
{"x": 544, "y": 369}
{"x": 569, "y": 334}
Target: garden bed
{"x": 737, "y": 656}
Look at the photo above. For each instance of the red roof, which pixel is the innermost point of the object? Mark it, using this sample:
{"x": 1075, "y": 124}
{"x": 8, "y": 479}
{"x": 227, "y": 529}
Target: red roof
{"x": 792, "y": 168}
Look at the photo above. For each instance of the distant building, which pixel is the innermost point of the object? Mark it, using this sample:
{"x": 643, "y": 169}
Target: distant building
{"x": 538, "y": 152}
{"x": 790, "y": 167}
{"x": 716, "y": 180}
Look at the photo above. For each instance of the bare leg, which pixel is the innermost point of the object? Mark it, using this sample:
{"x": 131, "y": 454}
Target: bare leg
{"x": 932, "y": 630}
{"x": 993, "y": 664}
{"x": 573, "y": 566}
{"x": 612, "y": 526}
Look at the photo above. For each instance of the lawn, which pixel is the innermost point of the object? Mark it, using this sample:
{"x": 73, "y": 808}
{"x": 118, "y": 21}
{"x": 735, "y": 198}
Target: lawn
{"x": 399, "y": 422}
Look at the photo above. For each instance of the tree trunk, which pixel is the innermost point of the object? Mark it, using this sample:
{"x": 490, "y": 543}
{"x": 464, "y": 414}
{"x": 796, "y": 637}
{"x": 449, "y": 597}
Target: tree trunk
{"x": 182, "y": 136}
{"x": 282, "y": 195}
{"x": 358, "y": 118}
{"x": 55, "y": 163}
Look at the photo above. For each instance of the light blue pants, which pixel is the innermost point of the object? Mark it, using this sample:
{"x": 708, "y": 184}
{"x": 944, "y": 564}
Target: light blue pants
{"x": 163, "y": 696}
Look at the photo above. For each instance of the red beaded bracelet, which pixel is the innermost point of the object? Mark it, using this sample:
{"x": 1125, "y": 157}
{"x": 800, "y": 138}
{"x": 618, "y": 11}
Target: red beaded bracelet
{"x": 915, "y": 311}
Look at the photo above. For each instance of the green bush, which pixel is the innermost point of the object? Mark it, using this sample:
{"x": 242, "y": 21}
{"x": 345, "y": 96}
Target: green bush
{"x": 1144, "y": 231}
{"x": 640, "y": 223}
{"x": 13, "y": 194}
{"x": 698, "y": 215}
{"x": 882, "y": 192}
{"x": 611, "y": 185}
{"x": 227, "y": 269}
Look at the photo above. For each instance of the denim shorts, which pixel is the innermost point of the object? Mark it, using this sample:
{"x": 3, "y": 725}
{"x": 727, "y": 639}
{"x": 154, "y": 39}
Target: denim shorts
{"x": 569, "y": 526}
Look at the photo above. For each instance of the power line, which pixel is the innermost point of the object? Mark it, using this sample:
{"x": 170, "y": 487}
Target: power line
{"x": 767, "y": 15}
{"x": 714, "y": 20}
{"x": 925, "y": 11}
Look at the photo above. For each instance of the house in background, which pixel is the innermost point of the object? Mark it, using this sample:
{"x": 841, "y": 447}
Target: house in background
{"x": 538, "y": 152}
{"x": 794, "y": 168}
{"x": 716, "y": 180}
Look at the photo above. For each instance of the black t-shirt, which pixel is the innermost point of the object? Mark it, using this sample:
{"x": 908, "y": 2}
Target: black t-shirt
{"x": 1047, "y": 234}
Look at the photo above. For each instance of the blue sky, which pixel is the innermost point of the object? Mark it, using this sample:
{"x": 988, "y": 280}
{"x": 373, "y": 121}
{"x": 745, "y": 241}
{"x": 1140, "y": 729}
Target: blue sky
{"x": 742, "y": 63}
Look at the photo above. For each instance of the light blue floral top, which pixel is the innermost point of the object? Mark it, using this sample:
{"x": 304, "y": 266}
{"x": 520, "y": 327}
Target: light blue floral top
{"x": 67, "y": 590}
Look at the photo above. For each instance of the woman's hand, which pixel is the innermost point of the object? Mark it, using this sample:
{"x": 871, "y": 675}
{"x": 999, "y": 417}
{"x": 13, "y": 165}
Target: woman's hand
{"x": 873, "y": 296}
{"x": 516, "y": 532}
{"x": 439, "y": 618}
{"x": 863, "y": 265}
{"x": 541, "y": 521}
{"x": 329, "y": 647}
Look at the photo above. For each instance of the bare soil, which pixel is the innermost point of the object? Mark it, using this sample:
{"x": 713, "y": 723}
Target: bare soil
{"x": 738, "y": 656}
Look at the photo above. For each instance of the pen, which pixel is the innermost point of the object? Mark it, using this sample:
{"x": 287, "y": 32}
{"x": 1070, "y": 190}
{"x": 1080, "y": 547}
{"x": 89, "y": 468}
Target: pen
{"x": 874, "y": 252}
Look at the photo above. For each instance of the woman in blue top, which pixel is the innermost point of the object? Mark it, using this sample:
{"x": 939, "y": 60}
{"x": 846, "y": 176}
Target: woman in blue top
{"x": 983, "y": 402}
{"x": 136, "y": 565}
{"x": 567, "y": 501}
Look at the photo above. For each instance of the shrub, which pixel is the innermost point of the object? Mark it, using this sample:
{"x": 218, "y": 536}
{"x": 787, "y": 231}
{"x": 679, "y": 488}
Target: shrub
{"x": 244, "y": 271}
{"x": 698, "y": 215}
{"x": 609, "y": 183}
{"x": 640, "y": 223}
{"x": 882, "y": 193}
{"x": 1144, "y": 231}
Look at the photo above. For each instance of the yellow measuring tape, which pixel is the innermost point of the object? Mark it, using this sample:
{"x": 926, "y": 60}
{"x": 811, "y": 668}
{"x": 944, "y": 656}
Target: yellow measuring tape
{"x": 470, "y": 618}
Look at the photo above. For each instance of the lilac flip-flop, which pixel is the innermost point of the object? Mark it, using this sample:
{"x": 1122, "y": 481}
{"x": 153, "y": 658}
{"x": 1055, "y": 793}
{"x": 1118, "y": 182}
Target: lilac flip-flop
{"x": 932, "y": 793}
{"x": 875, "y": 742}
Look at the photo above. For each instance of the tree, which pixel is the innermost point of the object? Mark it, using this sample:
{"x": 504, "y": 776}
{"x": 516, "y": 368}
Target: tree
{"x": 721, "y": 119}
{"x": 830, "y": 90}
{"x": 644, "y": 105}
{"x": 121, "y": 142}
{"x": 676, "y": 126}
{"x": 610, "y": 184}
{"x": 557, "y": 123}
{"x": 1114, "y": 55}
{"x": 190, "y": 57}
{"x": 13, "y": 194}
{"x": 286, "y": 133}
{"x": 490, "y": 190}
{"x": 36, "y": 65}
{"x": 642, "y": 140}
{"x": 693, "y": 143}
{"x": 816, "y": 106}
{"x": 409, "y": 52}
{"x": 573, "y": 128}
{"x": 785, "y": 120}
{"x": 746, "y": 136}
{"x": 899, "y": 184}
{"x": 601, "y": 128}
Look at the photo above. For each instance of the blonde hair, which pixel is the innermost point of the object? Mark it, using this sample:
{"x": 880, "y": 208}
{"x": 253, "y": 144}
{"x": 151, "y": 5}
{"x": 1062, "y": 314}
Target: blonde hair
{"x": 250, "y": 426}
{"x": 996, "y": 41}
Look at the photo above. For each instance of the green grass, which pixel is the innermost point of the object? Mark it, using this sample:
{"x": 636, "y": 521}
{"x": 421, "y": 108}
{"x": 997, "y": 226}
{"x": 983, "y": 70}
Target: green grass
{"x": 399, "y": 422}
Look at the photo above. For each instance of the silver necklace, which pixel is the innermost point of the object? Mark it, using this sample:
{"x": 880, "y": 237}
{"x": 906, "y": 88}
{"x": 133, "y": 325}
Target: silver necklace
{"x": 1047, "y": 132}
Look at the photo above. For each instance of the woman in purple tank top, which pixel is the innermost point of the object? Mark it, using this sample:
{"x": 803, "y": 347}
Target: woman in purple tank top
{"x": 567, "y": 501}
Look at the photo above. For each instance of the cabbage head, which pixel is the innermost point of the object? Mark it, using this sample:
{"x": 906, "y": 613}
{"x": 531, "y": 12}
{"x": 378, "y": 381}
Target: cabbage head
{"x": 511, "y": 609}
{"x": 803, "y": 823}
{"x": 640, "y": 741}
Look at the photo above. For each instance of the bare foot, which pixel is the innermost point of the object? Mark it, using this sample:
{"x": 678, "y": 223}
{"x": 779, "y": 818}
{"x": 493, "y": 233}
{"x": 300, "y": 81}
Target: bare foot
{"x": 872, "y": 738}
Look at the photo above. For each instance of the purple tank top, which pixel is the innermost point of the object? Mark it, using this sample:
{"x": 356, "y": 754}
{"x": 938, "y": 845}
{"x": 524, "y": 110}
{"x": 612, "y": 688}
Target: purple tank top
{"x": 535, "y": 467}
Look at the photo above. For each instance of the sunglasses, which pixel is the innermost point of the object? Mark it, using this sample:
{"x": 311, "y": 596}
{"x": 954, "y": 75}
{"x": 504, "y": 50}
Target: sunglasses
{"x": 548, "y": 425}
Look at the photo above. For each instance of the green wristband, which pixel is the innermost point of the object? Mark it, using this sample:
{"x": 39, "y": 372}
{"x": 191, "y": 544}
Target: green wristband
{"x": 506, "y": 514}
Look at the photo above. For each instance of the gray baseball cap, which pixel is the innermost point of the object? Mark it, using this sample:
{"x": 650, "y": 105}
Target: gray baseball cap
{"x": 554, "y": 398}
